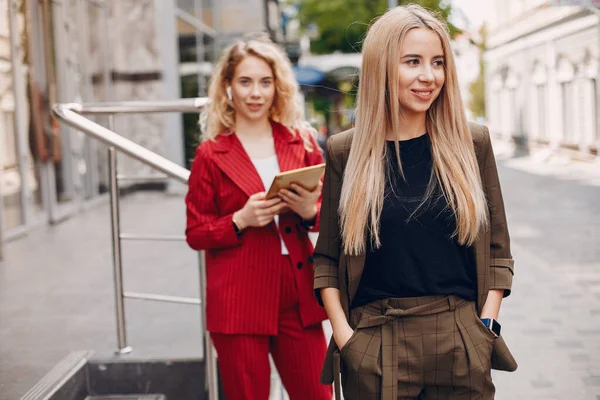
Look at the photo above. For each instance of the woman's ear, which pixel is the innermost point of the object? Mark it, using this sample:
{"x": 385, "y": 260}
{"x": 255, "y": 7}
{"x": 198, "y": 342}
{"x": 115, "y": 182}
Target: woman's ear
{"x": 229, "y": 95}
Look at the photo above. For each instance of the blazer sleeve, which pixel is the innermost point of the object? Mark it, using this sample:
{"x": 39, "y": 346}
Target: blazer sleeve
{"x": 206, "y": 229}
{"x": 502, "y": 264}
{"x": 327, "y": 251}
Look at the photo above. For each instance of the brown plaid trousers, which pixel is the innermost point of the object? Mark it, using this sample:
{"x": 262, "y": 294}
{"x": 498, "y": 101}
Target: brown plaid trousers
{"x": 428, "y": 348}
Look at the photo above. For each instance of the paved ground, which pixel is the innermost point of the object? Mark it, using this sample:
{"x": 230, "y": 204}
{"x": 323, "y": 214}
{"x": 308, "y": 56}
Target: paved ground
{"x": 56, "y": 286}
{"x": 56, "y": 292}
{"x": 552, "y": 321}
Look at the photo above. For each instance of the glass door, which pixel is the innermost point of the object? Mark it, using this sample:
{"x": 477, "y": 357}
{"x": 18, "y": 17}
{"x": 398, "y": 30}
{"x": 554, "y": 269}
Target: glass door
{"x": 74, "y": 168}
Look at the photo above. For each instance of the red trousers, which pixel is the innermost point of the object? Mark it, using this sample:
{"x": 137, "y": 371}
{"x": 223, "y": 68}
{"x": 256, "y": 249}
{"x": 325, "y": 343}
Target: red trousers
{"x": 298, "y": 353}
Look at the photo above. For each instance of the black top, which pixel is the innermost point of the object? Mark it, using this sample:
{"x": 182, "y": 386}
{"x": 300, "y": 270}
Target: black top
{"x": 418, "y": 256}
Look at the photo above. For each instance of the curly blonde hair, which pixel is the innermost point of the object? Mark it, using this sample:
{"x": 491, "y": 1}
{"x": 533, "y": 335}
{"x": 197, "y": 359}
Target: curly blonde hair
{"x": 218, "y": 117}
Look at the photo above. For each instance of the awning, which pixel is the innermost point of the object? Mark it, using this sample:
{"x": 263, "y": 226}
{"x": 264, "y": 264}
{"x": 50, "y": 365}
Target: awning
{"x": 336, "y": 67}
{"x": 308, "y": 75}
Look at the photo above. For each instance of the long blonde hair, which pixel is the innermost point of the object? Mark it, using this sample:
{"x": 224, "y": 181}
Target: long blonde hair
{"x": 218, "y": 117}
{"x": 455, "y": 167}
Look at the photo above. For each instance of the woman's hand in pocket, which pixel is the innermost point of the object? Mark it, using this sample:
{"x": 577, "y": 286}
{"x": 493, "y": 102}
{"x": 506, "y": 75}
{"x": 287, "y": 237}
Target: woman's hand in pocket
{"x": 342, "y": 335}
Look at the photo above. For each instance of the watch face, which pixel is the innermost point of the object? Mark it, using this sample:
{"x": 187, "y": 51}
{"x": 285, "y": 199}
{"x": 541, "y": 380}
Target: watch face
{"x": 495, "y": 327}
{"x": 492, "y": 325}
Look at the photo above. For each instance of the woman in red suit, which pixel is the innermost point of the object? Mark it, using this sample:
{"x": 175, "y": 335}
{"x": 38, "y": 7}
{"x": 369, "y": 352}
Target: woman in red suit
{"x": 258, "y": 254}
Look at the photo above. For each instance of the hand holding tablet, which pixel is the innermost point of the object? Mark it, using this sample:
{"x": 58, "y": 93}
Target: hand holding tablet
{"x": 308, "y": 178}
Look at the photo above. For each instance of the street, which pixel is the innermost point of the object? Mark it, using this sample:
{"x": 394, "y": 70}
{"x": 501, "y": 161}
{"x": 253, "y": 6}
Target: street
{"x": 552, "y": 319}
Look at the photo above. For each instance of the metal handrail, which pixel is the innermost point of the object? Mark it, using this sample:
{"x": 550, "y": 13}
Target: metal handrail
{"x": 191, "y": 105}
{"x": 70, "y": 114}
{"x": 161, "y": 238}
{"x": 154, "y": 178}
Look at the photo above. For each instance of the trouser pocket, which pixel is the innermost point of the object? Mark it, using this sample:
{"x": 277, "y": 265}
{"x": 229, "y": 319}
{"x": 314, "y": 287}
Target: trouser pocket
{"x": 473, "y": 367}
{"x": 361, "y": 371}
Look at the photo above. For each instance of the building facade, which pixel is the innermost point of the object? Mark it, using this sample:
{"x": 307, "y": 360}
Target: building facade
{"x": 59, "y": 51}
{"x": 467, "y": 55}
{"x": 542, "y": 75}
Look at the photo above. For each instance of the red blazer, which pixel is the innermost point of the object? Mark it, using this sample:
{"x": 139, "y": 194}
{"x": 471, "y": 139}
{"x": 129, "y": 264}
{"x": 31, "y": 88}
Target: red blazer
{"x": 243, "y": 272}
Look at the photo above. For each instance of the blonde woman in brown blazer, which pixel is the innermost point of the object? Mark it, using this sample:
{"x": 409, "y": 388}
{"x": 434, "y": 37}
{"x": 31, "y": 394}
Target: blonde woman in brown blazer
{"x": 413, "y": 257}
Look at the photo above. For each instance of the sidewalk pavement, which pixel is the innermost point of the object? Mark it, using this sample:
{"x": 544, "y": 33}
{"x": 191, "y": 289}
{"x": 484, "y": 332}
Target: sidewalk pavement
{"x": 56, "y": 291}
{"x": 565, "y": 165}
{"x": 552, "y": 327}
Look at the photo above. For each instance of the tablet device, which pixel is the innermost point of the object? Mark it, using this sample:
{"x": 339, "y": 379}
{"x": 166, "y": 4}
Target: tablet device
{"x": 307, "y": 177}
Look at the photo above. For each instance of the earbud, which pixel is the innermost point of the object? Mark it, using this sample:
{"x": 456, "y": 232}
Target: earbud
{"x": 228, "y": 91}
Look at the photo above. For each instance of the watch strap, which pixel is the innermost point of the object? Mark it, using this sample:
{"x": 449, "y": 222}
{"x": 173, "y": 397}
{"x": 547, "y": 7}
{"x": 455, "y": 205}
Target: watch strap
{"x": 236, "y": 228}
{"x": 309, "y": 224}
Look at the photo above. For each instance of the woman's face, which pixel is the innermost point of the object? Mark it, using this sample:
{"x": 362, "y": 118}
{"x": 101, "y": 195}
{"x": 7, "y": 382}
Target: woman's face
{"x": 253, "y": 89}
{"x": 421, "y": 73}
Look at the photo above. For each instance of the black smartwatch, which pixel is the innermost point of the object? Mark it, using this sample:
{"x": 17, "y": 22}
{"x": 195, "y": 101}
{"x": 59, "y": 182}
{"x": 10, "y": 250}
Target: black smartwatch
{"x": 308, "y": 225}
{"x": 492, "y": 325}
{"x": 236, "y": 228}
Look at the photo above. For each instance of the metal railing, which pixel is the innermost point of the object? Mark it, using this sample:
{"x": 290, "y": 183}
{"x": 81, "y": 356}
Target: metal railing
{"x": 71, "y": 114}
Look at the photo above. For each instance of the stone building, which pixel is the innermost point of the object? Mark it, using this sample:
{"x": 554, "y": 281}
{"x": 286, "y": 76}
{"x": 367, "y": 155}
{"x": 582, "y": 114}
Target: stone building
{"x": 95, "y": 51}
{"x": 542, "y": 75}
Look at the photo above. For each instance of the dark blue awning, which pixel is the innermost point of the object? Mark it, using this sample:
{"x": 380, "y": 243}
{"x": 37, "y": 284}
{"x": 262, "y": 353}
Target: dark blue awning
{"x": 308, "y": 75}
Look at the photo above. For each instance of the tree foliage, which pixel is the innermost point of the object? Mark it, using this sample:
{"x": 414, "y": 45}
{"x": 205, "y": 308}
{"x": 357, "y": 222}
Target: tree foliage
{"x": 342, "y": 24}
{"x": 477, "y": 101}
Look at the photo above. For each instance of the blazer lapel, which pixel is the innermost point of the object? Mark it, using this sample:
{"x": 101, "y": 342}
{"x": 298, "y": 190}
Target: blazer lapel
{"x": 355, "y": 266}
{"x": 290, "y": 149}
{"x": 481, "y": 256}
{"x": 481, "y": 248}
{"x": 233, "y": 160}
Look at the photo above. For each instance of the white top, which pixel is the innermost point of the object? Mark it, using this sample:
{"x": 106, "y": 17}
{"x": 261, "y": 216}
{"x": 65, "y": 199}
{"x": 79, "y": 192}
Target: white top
{"x": 267, "y": 168}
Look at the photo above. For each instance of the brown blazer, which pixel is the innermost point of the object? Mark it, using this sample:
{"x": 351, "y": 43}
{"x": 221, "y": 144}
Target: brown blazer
{"x": 335, "y": 269}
